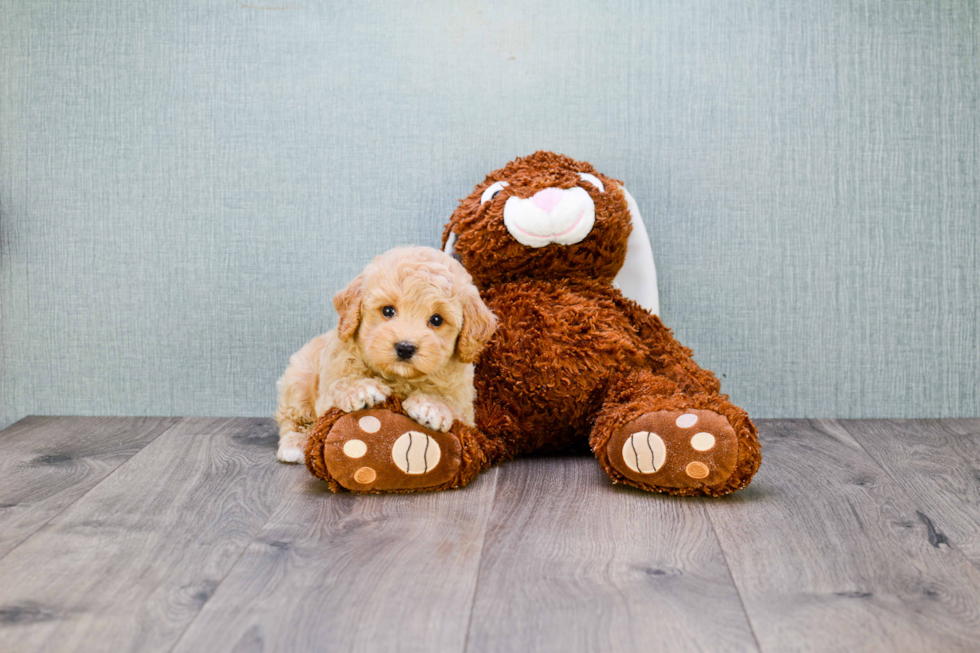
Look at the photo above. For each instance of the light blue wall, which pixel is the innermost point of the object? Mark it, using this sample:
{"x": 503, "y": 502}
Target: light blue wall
{"x": 184, "y": 185}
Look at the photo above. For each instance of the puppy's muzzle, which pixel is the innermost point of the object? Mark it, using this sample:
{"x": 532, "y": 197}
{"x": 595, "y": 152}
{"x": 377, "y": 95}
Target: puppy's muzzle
{"x": 405, "y": 350}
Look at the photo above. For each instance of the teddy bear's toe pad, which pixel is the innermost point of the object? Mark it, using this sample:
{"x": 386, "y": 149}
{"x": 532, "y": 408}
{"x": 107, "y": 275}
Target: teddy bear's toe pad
{"x": 675, "y": 449}
{"x": 377, "y": 450}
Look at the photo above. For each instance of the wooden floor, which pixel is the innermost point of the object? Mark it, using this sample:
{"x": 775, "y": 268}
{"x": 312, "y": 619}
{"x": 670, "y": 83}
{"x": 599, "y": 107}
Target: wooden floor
{"x": 160, "y": 534}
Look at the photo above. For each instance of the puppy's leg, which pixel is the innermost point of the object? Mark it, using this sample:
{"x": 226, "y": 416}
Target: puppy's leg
{"x": 291, "y": 446}
{"x": 429, "y": 411}
{"x": 297, "y": 393}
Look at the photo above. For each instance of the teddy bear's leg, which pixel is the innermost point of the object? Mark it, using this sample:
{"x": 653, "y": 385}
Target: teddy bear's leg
{"x": 383, "y": 450}
{"x": 652, "y": 435}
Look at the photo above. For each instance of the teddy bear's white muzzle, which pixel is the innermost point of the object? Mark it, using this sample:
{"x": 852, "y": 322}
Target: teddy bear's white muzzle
{"x": 564, "y": 216}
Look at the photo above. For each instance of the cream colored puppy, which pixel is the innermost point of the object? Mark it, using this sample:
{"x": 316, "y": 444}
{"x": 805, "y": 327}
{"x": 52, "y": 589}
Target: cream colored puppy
{"x": 410, "y": 325}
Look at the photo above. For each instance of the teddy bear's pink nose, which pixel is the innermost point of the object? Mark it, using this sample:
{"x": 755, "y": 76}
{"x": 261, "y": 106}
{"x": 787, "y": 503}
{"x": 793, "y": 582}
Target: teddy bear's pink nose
{"x": 547, "y": 199}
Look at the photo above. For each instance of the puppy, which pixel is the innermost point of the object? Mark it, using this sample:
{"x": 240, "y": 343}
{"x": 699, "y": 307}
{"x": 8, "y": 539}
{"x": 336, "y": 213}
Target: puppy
{"x": 410, "y": 325}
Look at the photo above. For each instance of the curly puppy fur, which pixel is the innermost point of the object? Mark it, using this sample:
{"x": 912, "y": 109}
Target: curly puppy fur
{"x": 391, "y": 305}
{"x": 573, "y": 359}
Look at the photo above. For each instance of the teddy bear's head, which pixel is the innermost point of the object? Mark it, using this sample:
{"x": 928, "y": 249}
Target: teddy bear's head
{"x": 542, "y": 216}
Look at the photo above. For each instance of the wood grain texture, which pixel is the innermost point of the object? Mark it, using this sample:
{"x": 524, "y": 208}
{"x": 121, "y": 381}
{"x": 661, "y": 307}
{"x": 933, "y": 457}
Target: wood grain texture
{"x": 937, "y": 463}
{"x": 854, "y": 536}
{"x": 130, "y": 564}
{"x": 353, "y": 573}
{"x": 46, "y": 463}
{"x": 572, "y": 563}
{"x": 830, "y": 554}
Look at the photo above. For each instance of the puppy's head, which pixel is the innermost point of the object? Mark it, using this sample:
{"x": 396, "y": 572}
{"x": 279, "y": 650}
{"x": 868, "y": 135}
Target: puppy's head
{"x": 412, "y": 311}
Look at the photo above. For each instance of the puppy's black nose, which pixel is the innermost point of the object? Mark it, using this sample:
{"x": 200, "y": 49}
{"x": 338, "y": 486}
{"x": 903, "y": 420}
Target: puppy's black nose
{"x": 405, "y": 350}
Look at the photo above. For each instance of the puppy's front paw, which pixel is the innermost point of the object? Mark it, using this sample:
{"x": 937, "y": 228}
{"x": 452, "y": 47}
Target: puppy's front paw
{"x": 291, "y": 445}
{"x": 429, "y": 412}
{"x": 362, "y": 394}
{"x": 290, "y": 455}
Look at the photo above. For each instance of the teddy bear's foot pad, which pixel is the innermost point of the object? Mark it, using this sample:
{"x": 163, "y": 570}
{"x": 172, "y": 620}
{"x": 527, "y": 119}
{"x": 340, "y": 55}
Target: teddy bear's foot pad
{"x": 377, "y": 450}
{"x": 675, "y": 449}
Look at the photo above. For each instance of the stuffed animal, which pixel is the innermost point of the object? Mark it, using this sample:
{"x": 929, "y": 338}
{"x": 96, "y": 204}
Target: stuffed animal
{"x": 579, "y": 359}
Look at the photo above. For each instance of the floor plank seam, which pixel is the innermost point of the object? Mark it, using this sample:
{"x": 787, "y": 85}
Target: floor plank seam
{"x": 177, "y": 420}
{"x": 299, "y": 479}
{"x": 738, "y": 591}
{"x": 479, "y": 568}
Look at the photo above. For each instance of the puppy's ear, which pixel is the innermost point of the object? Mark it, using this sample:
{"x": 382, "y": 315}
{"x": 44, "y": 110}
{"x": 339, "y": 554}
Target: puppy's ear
{"x": 479, "y": 323}
{"x": 348, "y": 305}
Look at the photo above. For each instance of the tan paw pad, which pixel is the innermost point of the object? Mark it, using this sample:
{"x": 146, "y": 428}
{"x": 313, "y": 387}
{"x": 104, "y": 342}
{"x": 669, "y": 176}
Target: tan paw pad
{"x": 697, "y": 470}
{"x": 365, "y": 475}
{"x": 644, "y": 452}
{"x": 702, "y": 441}
{"x": 686, "y": 421}
{"x": 416, "y": 453}
{"x": 355, "y": 448}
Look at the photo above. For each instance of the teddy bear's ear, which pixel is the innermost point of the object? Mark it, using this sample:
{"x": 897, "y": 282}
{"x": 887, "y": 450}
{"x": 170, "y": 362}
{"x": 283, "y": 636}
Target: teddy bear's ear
{"x": 450, "y": 247}
{"x": 637, "y": 279}
{"x": 348, "y": 305}
{"x": 479, "y": 323}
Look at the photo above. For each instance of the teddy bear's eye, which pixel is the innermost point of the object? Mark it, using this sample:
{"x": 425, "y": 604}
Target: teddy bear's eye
{"x": 592, "y": 179}
{"x": 492, "y": 190}
{"x": 388, "y": 311}
{"x": 436, "y": 320}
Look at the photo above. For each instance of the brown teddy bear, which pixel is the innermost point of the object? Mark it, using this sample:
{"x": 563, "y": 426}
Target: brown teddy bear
{"x": 573, "y": 360}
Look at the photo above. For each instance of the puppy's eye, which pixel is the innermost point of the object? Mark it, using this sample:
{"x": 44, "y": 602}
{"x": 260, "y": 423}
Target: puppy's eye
{"x": 592, "y": 179}
{"x": 492, "y": 191}
{"x": 435, "y": 320}
{"x": 388, "y": 311}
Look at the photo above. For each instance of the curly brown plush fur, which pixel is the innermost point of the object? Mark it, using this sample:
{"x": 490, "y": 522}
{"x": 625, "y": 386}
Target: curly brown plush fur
{"x": 574, "y": 363}
{"x": 492, "y": 256}
{"x": 572, "y": 358}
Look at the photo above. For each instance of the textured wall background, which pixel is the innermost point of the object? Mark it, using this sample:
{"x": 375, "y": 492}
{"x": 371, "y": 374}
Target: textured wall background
{"x": 184, "y": 185}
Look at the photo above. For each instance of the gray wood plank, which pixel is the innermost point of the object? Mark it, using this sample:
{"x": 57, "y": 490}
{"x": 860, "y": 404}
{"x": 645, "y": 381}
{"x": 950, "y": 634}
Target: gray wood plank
{"x": 969, "y": 426}
{"x": 46, "y": 463}
{"x": 129, "y": 564}
{"x": 937, "y": 463}
{"x": 829, "y": 553}
{"x": 353, "y": 573}
{"x": 573, "y": 563}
